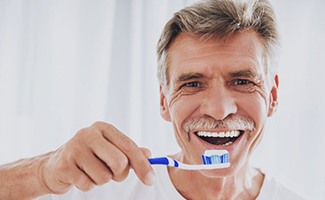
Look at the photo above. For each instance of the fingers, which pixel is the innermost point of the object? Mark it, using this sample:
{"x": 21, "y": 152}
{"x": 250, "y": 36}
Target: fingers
{"x": 146, "y": 152}
{"x": 95, "y": 169}
{"x": 60, "y": 172}
{"x": 80, "y": 179}
{"x": 95, "y": 156}
{"x": 112, "y": 158}
{"x": 138, "y": 160}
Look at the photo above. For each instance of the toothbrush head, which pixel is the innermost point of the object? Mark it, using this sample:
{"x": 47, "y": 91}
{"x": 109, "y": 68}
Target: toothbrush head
{"x": 215, "y": 157}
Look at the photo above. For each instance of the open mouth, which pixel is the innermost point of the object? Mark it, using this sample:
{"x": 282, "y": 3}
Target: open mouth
{"x": 220, "y": 138}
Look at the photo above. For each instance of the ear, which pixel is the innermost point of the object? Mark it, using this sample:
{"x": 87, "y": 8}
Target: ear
{"x": 164, "y": 109}
{"x": 273, "y": 105}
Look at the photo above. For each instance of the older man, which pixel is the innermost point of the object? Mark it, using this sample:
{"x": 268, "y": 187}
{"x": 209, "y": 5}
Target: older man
{"x": 218, "y": 86}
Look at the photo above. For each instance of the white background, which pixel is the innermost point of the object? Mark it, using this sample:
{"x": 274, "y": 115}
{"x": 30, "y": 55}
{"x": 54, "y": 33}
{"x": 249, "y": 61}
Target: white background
{"x": 65, "y": 64}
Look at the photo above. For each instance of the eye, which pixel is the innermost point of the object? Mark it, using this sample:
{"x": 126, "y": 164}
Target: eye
{"x": 192, "y": 84}
{"x": 242, "y": 85}
{"x": 243, "y": 82}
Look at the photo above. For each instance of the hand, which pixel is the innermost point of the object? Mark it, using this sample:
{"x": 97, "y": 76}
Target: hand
{"x": 94, "y": 156}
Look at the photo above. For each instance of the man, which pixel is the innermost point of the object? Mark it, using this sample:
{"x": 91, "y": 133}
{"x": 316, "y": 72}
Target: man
{"x": 218, "y": 85}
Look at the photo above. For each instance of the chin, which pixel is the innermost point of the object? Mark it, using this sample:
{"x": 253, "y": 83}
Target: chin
{"x": 214, "y": 175}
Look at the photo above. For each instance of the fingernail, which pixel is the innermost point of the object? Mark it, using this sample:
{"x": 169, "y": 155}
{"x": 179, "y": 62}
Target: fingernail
{"x": 150, "y": 178}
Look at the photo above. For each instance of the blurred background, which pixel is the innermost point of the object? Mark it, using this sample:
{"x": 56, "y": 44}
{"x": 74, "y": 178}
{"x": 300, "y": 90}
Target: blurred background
{"x": 65, "y": 64}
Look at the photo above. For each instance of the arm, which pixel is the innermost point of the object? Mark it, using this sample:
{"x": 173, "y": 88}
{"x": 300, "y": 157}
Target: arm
{"x": 20, "y": 180}
{"x": 94, "y": 156}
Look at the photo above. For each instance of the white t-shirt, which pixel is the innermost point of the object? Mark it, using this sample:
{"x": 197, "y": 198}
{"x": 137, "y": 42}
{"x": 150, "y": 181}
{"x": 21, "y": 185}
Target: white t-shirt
{"x": 133, "y": 189}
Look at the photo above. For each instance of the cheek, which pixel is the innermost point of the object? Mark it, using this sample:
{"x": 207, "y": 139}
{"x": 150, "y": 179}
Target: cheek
{"x": 181, "y": 108}
{"x": 257, "y": 101}
{"x": 255, "y": 106}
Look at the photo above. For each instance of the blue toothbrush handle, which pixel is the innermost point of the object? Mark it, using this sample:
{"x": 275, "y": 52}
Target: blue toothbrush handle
{"x": 158, "y": 161}
{"x": 163, "y": 161}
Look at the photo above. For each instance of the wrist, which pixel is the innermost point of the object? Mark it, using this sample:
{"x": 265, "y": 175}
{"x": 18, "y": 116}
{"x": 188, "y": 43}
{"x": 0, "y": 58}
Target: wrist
{"x": 41, "y": 178}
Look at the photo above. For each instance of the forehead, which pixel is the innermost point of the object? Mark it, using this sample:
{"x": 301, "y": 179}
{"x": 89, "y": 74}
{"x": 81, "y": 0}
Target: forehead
{"x": 190, "y": 53}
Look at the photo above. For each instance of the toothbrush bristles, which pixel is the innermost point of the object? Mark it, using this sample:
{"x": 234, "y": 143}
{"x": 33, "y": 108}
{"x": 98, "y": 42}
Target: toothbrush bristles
{"x": 215, "y": 159}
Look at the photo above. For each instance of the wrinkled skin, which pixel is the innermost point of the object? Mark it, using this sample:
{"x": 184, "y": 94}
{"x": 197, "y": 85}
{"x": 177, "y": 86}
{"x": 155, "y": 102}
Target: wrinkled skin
{"x": 214, "y": 79}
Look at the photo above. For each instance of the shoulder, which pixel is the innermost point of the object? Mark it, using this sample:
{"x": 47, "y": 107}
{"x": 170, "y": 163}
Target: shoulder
{"x": 273, "y": 189}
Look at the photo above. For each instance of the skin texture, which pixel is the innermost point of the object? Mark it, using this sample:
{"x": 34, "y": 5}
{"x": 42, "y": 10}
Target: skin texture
{"x": 215, "y": 79}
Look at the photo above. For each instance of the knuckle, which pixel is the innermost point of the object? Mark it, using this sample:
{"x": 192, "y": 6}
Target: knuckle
{"x": 98, "y": 124}
{"x": 84, "y": 184}
{"x": 62, "y": 167}
{"x": 120, "y": 164}
{"x": 146, "y": 152}
{"x": 83, "y": 133}
{"x": 102, "y": 125}
{"x": 87, "y": 136}
{"x": 121, "y": 176}
{"x": 105, "y": 129}
{"x": 129, "y": 146}
{"x": 119, "y": 168}
{"x": 69, "y": 153}
{"x": 105, "y": 178}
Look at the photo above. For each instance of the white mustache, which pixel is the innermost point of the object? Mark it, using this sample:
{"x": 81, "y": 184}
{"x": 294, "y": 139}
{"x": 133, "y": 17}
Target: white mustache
{"x": 230, "y": 122}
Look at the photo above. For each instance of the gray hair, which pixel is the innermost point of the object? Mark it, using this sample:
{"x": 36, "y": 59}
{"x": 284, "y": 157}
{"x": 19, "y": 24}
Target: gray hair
{"x": 220, "y": 18}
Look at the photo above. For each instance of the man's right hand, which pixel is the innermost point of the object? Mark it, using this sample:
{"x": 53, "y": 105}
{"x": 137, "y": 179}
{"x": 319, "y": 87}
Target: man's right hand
{"x": 94, "y": 156}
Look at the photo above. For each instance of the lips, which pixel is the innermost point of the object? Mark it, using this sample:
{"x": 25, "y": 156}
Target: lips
{"x": 219, "y": 138}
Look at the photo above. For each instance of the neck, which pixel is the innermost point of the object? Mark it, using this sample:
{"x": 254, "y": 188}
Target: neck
{"x": 245, "y": 184}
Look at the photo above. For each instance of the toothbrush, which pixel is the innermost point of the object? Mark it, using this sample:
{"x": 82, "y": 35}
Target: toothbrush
{"x": 212, "y": 159}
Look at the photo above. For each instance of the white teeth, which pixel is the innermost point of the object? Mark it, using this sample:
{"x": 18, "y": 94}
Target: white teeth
{"x": 231, "y": 134}
{"x": 228, "y": 143}
{"x": 222, "y": 134}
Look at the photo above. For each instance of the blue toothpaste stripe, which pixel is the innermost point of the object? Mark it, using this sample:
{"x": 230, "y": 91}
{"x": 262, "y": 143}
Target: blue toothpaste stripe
{"x": 204, "y": 160}
{"x": 215, "y": 159}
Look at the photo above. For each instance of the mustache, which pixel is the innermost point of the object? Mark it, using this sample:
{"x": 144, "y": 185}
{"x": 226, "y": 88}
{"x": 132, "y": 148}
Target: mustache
{"x": 230, "y": 122}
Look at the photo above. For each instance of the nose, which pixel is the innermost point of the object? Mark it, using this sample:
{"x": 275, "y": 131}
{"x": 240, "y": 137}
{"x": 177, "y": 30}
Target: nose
{"x": 218, "y": 103}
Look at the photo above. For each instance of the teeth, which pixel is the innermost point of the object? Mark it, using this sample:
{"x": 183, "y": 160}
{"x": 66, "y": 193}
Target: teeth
{"x": 230, "y": 134}
{"x": 222, "y": 134}
{"x": 228, "y": 143}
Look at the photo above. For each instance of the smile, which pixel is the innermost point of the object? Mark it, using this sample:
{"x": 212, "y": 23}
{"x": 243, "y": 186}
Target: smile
{"x": 220, "y": 138}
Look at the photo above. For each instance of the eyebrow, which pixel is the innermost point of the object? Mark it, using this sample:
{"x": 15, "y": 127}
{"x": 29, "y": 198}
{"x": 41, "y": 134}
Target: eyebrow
{"x": 244, "y": 73}
{"x": 188, "y": 76}
{"x": 192, "y": 76}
